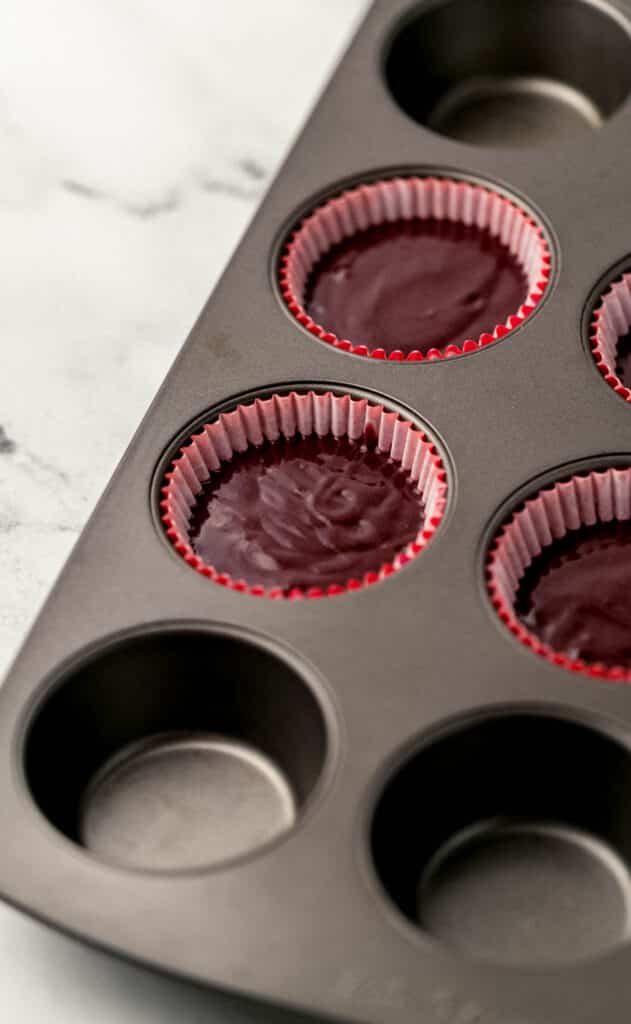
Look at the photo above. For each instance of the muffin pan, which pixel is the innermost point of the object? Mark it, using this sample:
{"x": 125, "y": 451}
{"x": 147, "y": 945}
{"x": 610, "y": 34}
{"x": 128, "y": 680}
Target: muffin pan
{"x": 379, "y": 794}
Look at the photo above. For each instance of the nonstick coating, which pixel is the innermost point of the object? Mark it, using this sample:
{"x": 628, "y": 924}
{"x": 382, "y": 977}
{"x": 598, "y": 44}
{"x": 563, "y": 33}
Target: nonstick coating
{"x": 393, "y": 669}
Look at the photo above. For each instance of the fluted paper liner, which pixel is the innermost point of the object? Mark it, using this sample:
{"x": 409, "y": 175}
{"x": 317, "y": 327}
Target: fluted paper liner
{"x": 611, "y": 322}
{"x": 583, "y": 500}
{"x": 398, "y": 199}
{"x": 287, "y": 415}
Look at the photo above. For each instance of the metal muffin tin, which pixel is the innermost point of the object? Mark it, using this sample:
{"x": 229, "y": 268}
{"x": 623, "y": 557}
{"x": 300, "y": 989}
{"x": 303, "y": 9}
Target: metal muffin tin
{"x": 417, "y": 819}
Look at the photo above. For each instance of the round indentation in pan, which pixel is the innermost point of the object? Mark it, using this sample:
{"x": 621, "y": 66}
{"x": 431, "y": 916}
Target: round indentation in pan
{"x": 608, "y": 318}
{"x": 303, "y": 493}
{"x": 415, "y": 267}
{"x": 176, "y": 748}
{"x": 525, "y": 73}
{"x": 505, "y": 839}
{"x": 558, "y": 568}
{"x": 184, "y": 801}
{"x": 525, "y": 892}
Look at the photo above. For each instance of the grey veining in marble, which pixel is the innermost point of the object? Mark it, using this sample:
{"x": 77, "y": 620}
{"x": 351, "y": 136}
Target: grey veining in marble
{"x": 136, "y": 139}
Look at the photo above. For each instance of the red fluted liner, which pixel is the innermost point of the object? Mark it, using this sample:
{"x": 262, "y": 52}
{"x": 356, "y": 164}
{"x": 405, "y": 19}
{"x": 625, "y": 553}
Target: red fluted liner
{"x": 404, "y": 199}
{"x": 305, "y": 413}
{"x": 583, "y": 500}
{"x": 611, "y": 322}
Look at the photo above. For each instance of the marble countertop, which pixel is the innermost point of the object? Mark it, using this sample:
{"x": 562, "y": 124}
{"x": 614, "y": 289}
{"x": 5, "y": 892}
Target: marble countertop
{"x": 136, "y": 139}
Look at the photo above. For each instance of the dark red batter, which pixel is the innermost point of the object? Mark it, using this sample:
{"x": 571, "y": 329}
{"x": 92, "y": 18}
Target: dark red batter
{"x": 576, "y": 596}
{"x": 305, "y": 513}
{"x": 623, "y": 360}
{"x": 416, "y": 284}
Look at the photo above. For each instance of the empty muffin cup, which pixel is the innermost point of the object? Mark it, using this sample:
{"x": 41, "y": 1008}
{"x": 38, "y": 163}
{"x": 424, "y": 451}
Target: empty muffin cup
{"x": 611, "y": 336}
{"x": 415, "y": 268}
{"x": 493, "y": 838}
{"x": 559, "y": 573}
{"x": 304, "y": 494}
{"x": 173, "y": 748}
{"x": 529, "y": 73}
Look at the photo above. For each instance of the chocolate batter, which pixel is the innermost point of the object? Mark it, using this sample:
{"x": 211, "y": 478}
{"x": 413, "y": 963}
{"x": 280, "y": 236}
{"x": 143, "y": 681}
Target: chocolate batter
{"x": 308, "y": 512}
{"x": 576, "y": 596}
{"x": 416, "y": 284}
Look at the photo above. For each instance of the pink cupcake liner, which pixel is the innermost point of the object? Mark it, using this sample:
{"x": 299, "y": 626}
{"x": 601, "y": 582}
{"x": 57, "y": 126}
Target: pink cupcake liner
{"x": 286, "y": 415}
{"x": 583, "y": 500}
{"x": 610, "y": 323}
{"x": 405, "y": 199}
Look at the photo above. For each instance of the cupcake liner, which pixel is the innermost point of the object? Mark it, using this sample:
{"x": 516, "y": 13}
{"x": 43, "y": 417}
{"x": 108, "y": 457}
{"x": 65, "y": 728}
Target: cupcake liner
{"x": 583, "y": 500}
{"x": 405, "y": 199}
{"x": 610, "y": 323}
{"x": 287, "y": 415}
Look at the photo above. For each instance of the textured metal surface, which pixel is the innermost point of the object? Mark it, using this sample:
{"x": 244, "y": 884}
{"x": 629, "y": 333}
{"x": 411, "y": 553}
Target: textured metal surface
{"x": 305, "y": 922}
{"x": 526, "y": 893}
{"x": 184, "y": 802}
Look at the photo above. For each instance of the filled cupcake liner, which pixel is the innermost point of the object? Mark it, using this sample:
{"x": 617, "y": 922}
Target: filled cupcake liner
{"x": 405, "y": 199}
{"x": 285, "y": 415}
{"x": 611, "y": 322}
{"x": 583, "y": 500}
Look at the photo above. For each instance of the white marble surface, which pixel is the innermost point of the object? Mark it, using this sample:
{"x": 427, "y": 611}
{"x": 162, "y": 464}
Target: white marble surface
{"x": 136, "y": 138}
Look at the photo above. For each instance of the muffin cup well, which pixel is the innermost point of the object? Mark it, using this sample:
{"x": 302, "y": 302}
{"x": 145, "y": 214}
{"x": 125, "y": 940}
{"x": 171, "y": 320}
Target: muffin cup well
{"x": 583, "y": 500}
{"x": 610, "y": 323}
{"x": 304, "y": 414}
{"x": 171, "y": 747}
{"x": 516, "y": 822}
{"x": 405, "y": 199}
